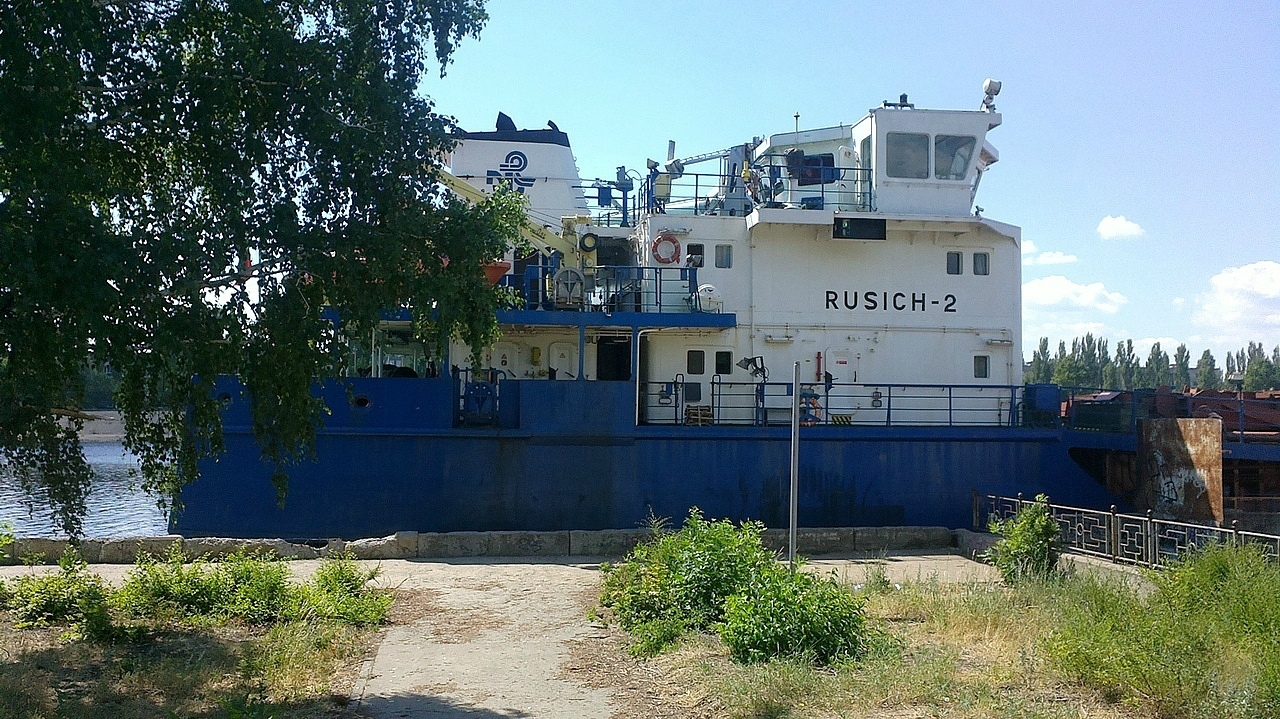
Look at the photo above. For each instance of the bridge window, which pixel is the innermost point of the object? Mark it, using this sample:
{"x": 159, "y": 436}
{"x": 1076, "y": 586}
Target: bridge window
{"x": 955, "y": 263}
{"x": 951, "y": 154}
{"x": 907, "y": 155}
{"x": 981, "y": 366}
{"x": 724, "y": 255}
{"x": 981, "y": 263}
{"x": 818, "y": 169}
{"x": 696, "y": 362}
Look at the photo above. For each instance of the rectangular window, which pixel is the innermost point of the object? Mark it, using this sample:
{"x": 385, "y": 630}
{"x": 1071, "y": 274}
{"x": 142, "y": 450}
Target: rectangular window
{"x": 907, "y": 155}
{"x": 724, "y": 362}
{"x": 981, "y": 366}
{"x": 696, "y": 362}
{"x": 951, "y": 154}
{"x": 981, "y": 263}
{"x": 724, "y": 255}
{"x": 818, "y": 169}
{"x": 696, "y": 251}
{"x": 955, "y": 263}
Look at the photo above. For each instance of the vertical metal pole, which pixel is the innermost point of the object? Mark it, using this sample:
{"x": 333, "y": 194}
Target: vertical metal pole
{"x": 795, "y": 465}
{"x": 1152, "y": 543}
{"x": 1113, "y": 534}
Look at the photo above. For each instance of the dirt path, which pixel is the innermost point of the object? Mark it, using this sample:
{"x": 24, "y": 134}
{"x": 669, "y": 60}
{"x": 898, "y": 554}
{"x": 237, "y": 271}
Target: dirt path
{"x": 484, "y": 639}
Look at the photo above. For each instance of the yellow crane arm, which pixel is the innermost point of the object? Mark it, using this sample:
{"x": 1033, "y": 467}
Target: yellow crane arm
{"x": 542, "y": 238}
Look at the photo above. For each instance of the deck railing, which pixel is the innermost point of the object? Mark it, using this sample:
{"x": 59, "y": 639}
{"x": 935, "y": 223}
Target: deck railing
{"x": 845, "y": 189}
{"x": 607, "y": 289}
{"x": 694, "y": 401}
{"x": 1140, "y": 539}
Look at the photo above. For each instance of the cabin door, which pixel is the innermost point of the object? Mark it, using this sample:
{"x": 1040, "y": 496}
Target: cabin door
{"x": 613, "y": 359}
{"x": 563, "y": 363}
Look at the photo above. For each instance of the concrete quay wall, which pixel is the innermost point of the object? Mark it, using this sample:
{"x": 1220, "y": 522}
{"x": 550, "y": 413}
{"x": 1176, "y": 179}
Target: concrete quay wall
{"x": 443, "y": 545}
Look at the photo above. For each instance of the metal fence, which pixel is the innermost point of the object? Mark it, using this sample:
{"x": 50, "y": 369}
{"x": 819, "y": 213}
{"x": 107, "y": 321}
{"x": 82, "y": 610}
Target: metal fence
{"x": 1140, "y": 539}
{"x": 690, "y": 400}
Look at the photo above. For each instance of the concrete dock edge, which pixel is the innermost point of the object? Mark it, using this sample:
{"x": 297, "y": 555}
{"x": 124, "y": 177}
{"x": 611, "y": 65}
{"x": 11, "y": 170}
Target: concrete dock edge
{"x": 443, "y": 545}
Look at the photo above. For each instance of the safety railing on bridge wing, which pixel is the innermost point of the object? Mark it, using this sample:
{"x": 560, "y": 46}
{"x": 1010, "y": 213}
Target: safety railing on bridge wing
{"x": 769, "y": 184}
{"x": 607, "y": 289}
{"x": 1141, "y": 539}
{"x": 697, "y": 401}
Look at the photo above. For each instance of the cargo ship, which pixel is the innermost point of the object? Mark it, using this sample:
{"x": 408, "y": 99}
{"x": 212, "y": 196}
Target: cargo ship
{"x": 650, "y": 363}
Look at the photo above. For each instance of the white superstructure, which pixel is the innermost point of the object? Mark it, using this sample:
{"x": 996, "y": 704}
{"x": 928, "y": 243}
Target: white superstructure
{"x": 854, "y": 250}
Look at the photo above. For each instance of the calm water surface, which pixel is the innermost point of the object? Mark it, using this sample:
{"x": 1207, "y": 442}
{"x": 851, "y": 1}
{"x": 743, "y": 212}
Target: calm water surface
{"x": 116, "y": 508}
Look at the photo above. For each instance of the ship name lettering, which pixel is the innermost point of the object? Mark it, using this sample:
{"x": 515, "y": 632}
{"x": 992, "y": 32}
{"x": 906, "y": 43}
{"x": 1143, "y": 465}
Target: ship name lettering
{"x": 884, "y": 300}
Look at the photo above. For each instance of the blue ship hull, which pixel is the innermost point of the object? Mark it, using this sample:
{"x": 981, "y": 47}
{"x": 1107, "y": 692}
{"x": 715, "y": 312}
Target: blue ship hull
{"x": 575, "y": 459}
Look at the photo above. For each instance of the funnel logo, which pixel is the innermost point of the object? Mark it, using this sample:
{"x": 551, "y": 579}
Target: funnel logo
{"x": 510, "y": 170}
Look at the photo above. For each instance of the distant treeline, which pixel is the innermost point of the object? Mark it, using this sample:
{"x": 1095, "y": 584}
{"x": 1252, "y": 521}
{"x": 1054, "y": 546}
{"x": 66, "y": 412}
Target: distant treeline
{"x": 99, "y": 387}
{"x": 1090, "y": 363}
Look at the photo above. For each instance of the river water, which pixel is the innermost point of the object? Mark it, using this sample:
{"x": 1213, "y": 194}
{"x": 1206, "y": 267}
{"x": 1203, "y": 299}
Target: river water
{"x": 116, "y": 507}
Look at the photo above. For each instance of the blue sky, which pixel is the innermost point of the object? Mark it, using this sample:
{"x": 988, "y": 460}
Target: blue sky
{"x": 1139, "y": 151}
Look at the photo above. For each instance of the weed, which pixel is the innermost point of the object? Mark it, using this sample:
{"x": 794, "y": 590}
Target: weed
{"x": 339, "y": 591}
{"x": 73, "y": 596}
{"x": 257, "y": 589}
{"x": 781, "y": 613}
{"x": 682, "y": 579}
{"x": 1204, "y": 643}
{"x": 1029, "y": 546}
{"x": 6, "y": 541}
{"x": 877, "y": 580}
{"x": 171, "y": 589}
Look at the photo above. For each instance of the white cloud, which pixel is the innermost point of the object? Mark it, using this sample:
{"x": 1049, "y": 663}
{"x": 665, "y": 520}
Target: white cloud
{"x": 1028, "y": 247}
{"x": 1242, "y": 305}
{"x": 1058, "y": 292}
{"x": 1052, "y": 257}
{"x": 1142, "y": 347}
{"x": 1112, "y": 228}
{"x": 1179, "y": 303}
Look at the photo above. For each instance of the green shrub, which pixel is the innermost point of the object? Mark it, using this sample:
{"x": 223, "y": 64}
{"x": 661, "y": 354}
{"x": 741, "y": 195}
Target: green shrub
{"x": 682, "y": 579}
{"x": 257, "y": 589}
{"x": 786, "y": 614}
{"x": 6, "y": 542}
{"x": 1029, "y": 546}
{"x": 655, "y": 635}
{"x": 249, "y": 588}
{"x": 339, "y": 592}
{"x": 1203, "y": 643}
{"x": 170, "y": 588}
{"x": 72, "y": 596}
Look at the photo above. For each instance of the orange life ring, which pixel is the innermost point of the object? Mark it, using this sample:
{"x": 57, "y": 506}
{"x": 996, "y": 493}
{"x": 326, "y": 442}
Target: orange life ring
{"x": 666, "y": 249}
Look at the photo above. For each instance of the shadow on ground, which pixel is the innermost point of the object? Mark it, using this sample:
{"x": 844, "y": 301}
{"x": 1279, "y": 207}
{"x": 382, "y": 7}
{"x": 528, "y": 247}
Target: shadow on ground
{"x": 427, "y": 706}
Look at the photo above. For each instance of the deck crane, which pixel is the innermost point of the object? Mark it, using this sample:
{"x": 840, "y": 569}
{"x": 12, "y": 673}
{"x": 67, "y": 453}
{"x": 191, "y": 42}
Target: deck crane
{"x": 544, "y": 240}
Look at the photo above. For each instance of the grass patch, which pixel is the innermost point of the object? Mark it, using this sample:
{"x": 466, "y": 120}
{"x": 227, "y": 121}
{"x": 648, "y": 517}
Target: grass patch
{"x": 228, "y": 639}
{"x": 1199, "y": 641}
{"x": 1205, "y": 643}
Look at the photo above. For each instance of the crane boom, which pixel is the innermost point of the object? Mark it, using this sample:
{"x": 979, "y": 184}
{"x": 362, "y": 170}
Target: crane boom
{"x": 542, "y": 238}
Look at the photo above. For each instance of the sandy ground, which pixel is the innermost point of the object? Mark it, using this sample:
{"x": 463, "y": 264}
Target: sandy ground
{"x": 106, "y": 426}
{"x": 495, "y": 638}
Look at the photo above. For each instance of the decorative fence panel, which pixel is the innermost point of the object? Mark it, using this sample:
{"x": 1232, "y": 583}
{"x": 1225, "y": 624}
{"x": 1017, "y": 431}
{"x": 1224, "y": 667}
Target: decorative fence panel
{"x": 1145, "y": 540}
